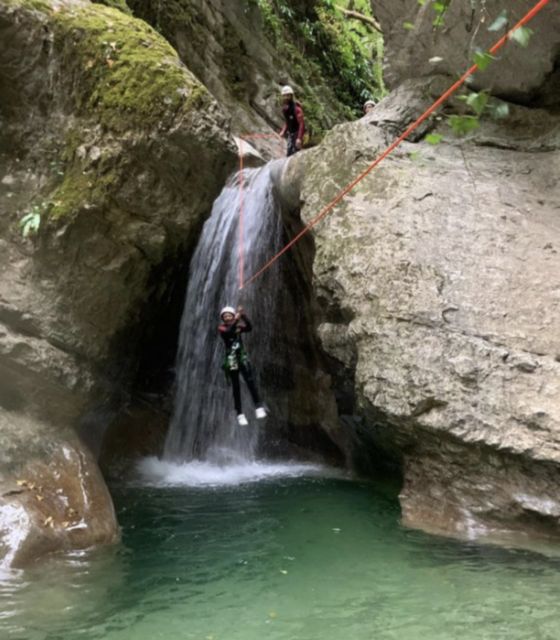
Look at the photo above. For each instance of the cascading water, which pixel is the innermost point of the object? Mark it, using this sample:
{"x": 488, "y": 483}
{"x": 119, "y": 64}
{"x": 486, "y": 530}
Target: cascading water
{"x": 204, "y": 426}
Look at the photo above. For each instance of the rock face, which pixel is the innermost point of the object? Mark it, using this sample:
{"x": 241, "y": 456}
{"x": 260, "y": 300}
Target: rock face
{"x": 441, "y": 314}
{"x": 239, "y": 52}
{"x": 120, "y": 151}
{"x": 415, "y": 47}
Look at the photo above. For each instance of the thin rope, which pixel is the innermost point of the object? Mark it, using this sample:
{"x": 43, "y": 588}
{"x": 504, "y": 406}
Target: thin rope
{"x": 241, "y": 219}
{"x": 456, "y": 85}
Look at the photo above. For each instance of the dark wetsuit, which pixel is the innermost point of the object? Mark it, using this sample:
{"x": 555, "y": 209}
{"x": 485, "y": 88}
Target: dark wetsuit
{"x": 295, "y": 125}
{"x": 236, "y": 360}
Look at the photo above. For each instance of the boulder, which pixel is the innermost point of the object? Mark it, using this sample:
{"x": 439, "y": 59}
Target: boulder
{"x": 441, "y": 313}
{"x": 52, "y": 495}
{"x": 421, "y": 41}
{"x": 118, "y": 151}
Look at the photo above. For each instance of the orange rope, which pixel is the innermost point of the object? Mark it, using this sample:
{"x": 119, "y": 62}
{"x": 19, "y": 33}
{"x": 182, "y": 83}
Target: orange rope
{"x": 241, "y": 230}
{"x": 499, "y": 44}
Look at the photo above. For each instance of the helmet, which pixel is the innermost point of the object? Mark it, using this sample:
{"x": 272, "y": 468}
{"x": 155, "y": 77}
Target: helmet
{"x": 227, "y": 310}
{"x": 287, "y": 90}
{"x": 369, "y": 103}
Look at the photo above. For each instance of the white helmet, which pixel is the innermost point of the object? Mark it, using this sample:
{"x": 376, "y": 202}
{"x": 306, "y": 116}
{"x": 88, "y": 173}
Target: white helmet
{"x": 287, "y": 90}
{"x": 227, "y": 310}
{"x": 369, "y": 103}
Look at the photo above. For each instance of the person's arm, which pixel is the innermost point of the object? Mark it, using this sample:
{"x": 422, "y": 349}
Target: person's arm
{"x": 245, "y": 325}
{"x": 284, "y": 129}
{"x": 301, "y": 126}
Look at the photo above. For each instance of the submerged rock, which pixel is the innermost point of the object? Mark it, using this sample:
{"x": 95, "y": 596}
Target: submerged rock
{"x": 119, "y": 151}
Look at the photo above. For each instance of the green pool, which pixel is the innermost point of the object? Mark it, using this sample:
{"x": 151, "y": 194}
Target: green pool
{"x": 278, "y": 555}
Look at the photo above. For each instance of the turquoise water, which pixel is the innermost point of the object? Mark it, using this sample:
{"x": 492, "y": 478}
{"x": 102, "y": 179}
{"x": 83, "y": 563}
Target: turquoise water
{"x": 298, "y": 558}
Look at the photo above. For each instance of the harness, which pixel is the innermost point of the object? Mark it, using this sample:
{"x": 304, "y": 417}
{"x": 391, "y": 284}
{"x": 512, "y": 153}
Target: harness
{"x": 235, "y": 357}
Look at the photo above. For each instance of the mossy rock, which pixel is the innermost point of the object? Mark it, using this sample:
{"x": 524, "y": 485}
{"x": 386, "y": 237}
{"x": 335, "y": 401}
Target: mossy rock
{"x": 118, "y": 68}
{"x": 115, "y": 4}
{"x": 112, "y": 70}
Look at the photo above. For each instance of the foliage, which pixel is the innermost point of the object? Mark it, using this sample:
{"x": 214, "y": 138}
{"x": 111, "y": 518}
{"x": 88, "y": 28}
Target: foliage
{"x": 522, "y": 35}
{"x": 482, "y": 59}
{"x": 30, "y": 222}
{"x": 116, "y": 4}
{"x": 434, "y": 138}
{"x": 500, "y": 22}
{"x": 318, "y": 41}
{"x": 479, "y": 103}
{"x": 440, "y": 8}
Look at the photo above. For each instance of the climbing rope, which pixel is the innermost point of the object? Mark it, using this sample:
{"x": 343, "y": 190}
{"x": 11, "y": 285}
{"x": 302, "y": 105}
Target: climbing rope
{"x": 241, "y": 221}
{"x": 444, "y": 96}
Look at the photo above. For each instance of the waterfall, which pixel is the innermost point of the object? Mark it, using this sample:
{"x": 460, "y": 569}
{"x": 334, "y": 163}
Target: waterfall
{"x": 204, "y": 425}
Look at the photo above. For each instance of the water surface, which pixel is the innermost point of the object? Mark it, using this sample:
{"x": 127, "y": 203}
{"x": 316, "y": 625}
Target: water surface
{"x": 287, "y": 557}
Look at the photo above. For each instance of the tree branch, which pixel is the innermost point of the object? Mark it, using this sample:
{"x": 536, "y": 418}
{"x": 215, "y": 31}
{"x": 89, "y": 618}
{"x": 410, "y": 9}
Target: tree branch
{"x": 369, "y": 21}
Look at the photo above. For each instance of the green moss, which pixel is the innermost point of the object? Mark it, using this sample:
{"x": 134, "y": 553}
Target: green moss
{"x": 116, "y": 71}
{"x": 80, "y": 188}
{"x": 321, "y": 47}
{"x": 115, "y": 4}
{"x": 119, "y": 69}
{"x": 71, "y": 195}
{"x": 39, "y": 5}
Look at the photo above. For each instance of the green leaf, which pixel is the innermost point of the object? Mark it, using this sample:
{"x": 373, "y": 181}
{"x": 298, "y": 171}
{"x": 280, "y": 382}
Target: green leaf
{"x": 439, "y": 7}
{"x": 500, "y": 110}
{"x": 461, "y": 125}
{"x": 522, "y": 35}
{"x": 421, "y": 2}
{"x": 409, "y": 26}
{"x": 477, "y": 101}
{"x": 500, "y": 22}
{"x": 482, "y": 59}
{"x": 434, "y": 138}
{"x": 30, "y": 223}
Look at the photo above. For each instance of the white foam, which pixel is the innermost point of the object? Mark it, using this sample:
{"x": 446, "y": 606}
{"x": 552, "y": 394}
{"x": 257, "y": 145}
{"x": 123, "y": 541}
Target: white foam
{"x": 155, "y": 472}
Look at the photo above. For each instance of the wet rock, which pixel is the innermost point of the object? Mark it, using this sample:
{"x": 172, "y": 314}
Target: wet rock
{"x": 52, "y": 495}
{"x": 120, "y": 151}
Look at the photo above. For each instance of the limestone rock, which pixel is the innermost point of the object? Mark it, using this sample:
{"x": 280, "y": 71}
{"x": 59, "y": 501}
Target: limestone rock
{"x": 52, "y": 495}
{"x": 416, "y": 48}
{"x": 438, "y": 282}
{"x": 120, "y": 151}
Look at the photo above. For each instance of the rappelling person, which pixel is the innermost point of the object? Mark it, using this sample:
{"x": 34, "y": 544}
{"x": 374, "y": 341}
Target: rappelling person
{"x": 236, "y": 360}
{"x": 294, "y": 126}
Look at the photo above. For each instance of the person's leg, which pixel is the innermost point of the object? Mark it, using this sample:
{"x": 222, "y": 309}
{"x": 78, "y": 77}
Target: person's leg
{"x": 234, "y": 377}
{"x": 247, "y": 374}
{"x": 291, "y": 144}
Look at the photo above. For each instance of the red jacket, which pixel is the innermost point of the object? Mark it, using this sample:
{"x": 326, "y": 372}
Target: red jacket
{"x": 295, "y": 123}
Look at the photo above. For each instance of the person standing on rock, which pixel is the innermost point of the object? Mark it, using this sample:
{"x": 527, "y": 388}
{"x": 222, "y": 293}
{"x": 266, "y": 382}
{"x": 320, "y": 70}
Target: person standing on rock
{"x": 369, "y": 105}
{"x": 236, "y": 360}
{"x": 294, "y": 125}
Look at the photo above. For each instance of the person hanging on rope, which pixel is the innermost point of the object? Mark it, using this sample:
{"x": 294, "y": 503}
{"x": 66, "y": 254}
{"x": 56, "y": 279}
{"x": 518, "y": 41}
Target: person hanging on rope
{"x": 294, "y": 125}
{"x": 236, "y": 360}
